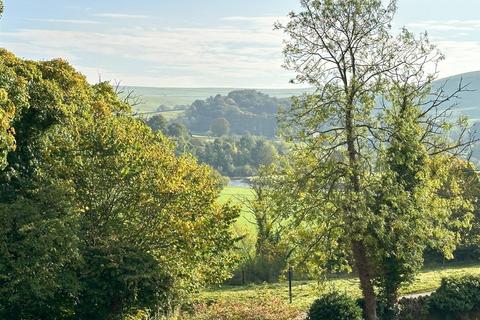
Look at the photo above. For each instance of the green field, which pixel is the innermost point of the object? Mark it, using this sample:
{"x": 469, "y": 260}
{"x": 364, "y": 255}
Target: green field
{"x": 244, "y": 226}
{"x": 304, "y": 292}
{"x": 235, "y": 194}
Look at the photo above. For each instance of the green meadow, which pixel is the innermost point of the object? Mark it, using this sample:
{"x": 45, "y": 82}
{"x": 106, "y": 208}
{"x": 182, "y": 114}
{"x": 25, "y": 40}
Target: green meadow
{"x": 305, "y": 292}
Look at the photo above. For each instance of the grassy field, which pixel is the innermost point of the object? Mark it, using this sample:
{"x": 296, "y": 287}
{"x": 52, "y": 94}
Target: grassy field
{"x": 235, "y": 194}
{"x": 304, "y": 292}
{"x": 238, "y": 196}
{"x": 244, "y": 226}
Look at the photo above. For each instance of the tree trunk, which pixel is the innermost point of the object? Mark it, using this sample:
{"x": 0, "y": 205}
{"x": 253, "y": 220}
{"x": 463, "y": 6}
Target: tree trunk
{"x": 391, "y": 287}
{"x": 359, "y": 253}
{"x": 363, "y": 269}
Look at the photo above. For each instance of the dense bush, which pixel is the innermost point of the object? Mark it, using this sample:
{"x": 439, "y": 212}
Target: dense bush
{"x": 457, "y": 295}
{"x": 121, "y": 279}
{"x": 335, "y": 306}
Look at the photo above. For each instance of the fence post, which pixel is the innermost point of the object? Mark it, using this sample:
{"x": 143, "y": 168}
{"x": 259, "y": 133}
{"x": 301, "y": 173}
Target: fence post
{"x": 290, "y": 284}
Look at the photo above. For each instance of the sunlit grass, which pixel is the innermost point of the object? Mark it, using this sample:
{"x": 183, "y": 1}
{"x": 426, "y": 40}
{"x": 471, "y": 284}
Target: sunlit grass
{"x": 305, "y": 292}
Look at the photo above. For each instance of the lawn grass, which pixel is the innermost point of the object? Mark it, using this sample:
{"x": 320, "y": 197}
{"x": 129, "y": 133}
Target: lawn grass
{"x": 235, "y": 194}
{"x": 305, "y": 292}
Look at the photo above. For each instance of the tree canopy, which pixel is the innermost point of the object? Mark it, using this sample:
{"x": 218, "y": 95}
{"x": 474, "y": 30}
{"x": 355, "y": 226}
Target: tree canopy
{"x": 99, "y": 217}
{"x": 247, "y": 112}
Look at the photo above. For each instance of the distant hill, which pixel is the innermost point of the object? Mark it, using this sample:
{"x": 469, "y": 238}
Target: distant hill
{"x": 253, "y": 111}
{"x": 152, "y": 98}
{"x": 469, "y": 102}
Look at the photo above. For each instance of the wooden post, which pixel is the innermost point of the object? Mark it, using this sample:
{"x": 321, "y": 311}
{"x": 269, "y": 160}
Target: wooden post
{"x": 290, "y": 284}
{"x": 243, "y": 277}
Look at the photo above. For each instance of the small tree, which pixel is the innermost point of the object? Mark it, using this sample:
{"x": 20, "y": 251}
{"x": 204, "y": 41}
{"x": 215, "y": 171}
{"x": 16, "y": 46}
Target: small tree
{"x": 157, "y": 123}
{"x": 272, "y": 249}
{"x": 220, "y": 127}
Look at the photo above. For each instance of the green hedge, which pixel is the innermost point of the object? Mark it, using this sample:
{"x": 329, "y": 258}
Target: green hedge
{"x": 457, "y": 295}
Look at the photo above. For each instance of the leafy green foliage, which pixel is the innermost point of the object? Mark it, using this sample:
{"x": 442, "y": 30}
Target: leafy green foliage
{"x": 157, "y": 123}
{"x": 121, "y": 278}
{"x": 457, "y": 295}
{"x": 220, "y": 127}
{"x": 334, "y": 306}
{"x": 229, "y": 155}
{"x": 7, "y": 139}
{"x": 99, "y": 218}
{"x": 237, "y": 157}
{"x": 272, "y": 248}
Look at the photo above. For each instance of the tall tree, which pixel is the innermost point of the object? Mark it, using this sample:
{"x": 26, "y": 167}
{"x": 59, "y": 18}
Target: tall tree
{"x": 345, "y": 49}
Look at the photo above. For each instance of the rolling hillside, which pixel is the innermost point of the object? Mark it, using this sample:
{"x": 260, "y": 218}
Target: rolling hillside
{"x": 152, "y": 98}
{"x": 469, "y": 102}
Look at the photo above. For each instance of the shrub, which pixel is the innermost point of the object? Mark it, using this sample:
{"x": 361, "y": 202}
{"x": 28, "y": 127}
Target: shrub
{"x": 457, "y": 295}
{"x": 120, "y": 280}
{"x": 335, "y": 306}
{"x": 258, "y": 309}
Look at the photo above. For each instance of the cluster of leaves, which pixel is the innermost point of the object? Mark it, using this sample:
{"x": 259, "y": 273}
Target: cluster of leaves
{"x": 246, "y": 112}
{"x": 98, "y": 216}
{"x": 229, "y": 155}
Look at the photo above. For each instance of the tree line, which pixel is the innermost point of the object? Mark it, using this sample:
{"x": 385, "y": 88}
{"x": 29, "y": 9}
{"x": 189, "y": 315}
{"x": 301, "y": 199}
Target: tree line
{"x": 242, "y": 111}
{"x": 231, "y": 156}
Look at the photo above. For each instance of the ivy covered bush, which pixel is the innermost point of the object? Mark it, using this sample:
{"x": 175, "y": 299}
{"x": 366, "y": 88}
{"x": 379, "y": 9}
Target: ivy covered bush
{"x": 335, "y": 306}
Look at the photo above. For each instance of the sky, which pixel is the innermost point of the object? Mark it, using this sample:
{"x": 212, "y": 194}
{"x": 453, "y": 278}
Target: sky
{"x": 202, "y": 43}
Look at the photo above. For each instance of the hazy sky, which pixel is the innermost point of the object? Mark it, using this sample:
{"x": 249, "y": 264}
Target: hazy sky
{"x": 202, "y": 43}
